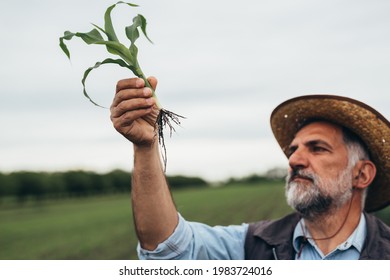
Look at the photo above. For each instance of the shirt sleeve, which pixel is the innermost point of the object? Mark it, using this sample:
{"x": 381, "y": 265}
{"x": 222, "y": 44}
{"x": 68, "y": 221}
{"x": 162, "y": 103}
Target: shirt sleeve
{"x": 197, "y": 241}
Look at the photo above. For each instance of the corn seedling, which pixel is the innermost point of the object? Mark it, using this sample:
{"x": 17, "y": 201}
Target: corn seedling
{"x": 128, "y": 59}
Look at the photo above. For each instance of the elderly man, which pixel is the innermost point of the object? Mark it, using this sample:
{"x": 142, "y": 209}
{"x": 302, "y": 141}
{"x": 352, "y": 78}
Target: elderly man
{"x": 338, "y": 151}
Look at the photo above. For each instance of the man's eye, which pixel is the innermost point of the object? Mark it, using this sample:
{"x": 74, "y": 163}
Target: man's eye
{"x": 290, "y": 151}
{"x": 318, "y": 149}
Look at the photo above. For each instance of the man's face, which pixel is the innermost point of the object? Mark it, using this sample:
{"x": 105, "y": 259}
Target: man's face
{"x": 319, "y": 177}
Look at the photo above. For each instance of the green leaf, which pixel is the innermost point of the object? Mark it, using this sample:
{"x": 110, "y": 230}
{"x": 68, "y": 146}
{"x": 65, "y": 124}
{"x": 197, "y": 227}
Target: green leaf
{"x": 92, "y": 37}
{"x": 142, "y": 19}
{"x": 132, "y": 31}
{"x": 119, "y": 62}
{"x": 67, "y": 36}
{"x": 64, "y": 48}
{"x": 119, "y": 49}
{"x": 99, "y": 28}
{"x": 130, "y": 4}
{"x": 108, "y": 27}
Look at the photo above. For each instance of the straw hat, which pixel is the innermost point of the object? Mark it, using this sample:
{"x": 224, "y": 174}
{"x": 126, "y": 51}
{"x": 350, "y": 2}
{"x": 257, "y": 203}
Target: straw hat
{"x": 367, "y": 123}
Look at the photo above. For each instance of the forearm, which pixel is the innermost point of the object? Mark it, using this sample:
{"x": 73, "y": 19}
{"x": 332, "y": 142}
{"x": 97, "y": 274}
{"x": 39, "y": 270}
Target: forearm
{"x": 155, "y": 214}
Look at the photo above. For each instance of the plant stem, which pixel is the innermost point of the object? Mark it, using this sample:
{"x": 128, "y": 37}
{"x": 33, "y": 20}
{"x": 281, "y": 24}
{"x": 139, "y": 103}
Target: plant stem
{"x": 141, "y": 75}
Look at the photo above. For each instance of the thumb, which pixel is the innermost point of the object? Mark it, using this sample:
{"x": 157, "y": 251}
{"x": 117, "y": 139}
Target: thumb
{"x": 153, "y": 82}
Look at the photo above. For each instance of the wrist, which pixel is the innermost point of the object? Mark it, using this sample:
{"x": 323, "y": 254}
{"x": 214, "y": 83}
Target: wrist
{"x": 146, "y": 154}
{"x": 147, "y": 159}
{"x": 146, "y": 147}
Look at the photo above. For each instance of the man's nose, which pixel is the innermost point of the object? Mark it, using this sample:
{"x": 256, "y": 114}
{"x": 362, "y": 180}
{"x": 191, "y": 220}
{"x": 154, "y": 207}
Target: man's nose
{"x": 298, "y": 159}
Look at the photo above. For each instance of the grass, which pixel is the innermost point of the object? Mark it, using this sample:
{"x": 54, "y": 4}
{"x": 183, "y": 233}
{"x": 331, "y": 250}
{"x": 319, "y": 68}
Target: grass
{"x": 92, "y": 228}
{"x": 234, "y": 204}
{"x": 102, "y": 228}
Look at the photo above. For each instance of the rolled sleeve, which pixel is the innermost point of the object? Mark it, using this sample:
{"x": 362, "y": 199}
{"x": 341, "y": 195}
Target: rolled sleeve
{"x": 172, "y": 247}
{"x": 191, "y": 241}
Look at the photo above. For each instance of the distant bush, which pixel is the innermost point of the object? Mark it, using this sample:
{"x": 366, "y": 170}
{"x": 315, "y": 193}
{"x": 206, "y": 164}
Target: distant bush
{"x": 183, "y": 181}
{"x": 38, "y": 185}
{"x": 79, "y": 183}
{"x": 253, "y": 179}
{"x": 75, "y": 183}
{"x": 119, "y": 180}
{"x": 27, "y": 184}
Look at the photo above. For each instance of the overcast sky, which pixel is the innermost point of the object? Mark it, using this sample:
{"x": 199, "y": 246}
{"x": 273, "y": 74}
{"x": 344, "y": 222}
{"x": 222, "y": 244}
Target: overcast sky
{"x": 223, "y": 64}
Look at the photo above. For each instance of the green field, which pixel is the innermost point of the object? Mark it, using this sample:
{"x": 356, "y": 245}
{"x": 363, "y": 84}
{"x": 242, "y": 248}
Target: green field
{"x": 101, "y": 227}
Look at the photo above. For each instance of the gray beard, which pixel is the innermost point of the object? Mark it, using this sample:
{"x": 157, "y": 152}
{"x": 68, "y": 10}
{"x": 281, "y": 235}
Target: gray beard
{"x": 318, "y": 196}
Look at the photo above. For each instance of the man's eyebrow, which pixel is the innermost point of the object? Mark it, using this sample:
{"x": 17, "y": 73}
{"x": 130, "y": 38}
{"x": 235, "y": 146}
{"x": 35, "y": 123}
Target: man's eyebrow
{"x": 293, "y": 147}
{"x": 318, "y": 142}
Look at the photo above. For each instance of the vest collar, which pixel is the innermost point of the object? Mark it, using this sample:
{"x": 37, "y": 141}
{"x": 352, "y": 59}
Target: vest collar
{"x": 279, "y": 231}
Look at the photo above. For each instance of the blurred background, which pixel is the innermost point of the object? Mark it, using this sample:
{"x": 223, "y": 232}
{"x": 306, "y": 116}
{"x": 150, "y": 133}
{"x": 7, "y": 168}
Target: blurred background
{"x": 224, "y": 65}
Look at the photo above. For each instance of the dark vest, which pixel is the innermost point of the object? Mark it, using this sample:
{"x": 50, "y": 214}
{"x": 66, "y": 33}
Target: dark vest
{"x": 272, "y": 240}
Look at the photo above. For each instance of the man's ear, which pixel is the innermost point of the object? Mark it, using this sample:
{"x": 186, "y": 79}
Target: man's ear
{"x": 364, "y": 173}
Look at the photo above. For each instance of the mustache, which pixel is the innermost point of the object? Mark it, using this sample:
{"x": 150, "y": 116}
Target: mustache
{"x": 300, "y": 173}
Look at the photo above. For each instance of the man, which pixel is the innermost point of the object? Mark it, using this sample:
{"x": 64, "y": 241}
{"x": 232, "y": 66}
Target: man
{"x": 338, "y": 151}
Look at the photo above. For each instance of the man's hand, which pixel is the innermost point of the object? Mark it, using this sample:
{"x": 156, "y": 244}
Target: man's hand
{"x": 134, "y": 111}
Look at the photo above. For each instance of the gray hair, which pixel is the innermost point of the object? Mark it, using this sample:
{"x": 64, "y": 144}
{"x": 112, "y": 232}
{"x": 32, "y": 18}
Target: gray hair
{"x": 357, "y": 151}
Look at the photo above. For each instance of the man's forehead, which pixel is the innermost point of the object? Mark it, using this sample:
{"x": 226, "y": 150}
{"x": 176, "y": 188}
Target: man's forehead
{"x": 320, "y": 128}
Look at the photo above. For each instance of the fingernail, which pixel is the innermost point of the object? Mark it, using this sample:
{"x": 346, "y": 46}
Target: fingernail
{"x": 147, "y": 91}
{"x": 139, "y": 83}
{"x": 149, "y": 101}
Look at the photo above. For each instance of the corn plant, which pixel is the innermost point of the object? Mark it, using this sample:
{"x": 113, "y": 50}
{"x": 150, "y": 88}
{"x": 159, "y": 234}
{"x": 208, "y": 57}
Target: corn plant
{"x": 128, "y": 59}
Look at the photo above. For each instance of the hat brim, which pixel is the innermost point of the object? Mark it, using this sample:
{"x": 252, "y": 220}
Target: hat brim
{"x": 366, "y": 122}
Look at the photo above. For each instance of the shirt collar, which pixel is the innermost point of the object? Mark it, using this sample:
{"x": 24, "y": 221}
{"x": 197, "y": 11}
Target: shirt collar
{"x": 356, "y": 239}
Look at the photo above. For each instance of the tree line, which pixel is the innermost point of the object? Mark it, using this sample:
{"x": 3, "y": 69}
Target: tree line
{"x": 76, "y": 183}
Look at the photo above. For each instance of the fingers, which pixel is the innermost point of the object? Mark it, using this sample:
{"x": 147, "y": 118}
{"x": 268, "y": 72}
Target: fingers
{"x": 132, "y": 100}
{"x": 129, "y": 83}
{"x": 135, "y": 83}
{"x": 128, "y": 118}
{"x": 131, "y": 105}
{"x": 129, "y": 94}
{"x": 133, "y": 88}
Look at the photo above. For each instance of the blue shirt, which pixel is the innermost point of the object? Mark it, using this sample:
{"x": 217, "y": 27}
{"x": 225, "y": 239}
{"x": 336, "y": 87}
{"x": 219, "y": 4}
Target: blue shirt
{"x": 197, "y": 241}
{"x": 348, "y": 250}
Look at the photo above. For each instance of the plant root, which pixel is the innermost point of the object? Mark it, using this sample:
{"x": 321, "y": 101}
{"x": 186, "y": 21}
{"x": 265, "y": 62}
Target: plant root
{"x": 165, "y": 119}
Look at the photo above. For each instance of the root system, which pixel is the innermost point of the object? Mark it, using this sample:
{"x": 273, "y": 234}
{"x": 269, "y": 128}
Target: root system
{"x": 166, "y": 119}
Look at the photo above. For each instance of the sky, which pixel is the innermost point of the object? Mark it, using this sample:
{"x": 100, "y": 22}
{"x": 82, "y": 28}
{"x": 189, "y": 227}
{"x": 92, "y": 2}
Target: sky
{"x": 224, "y": 65}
